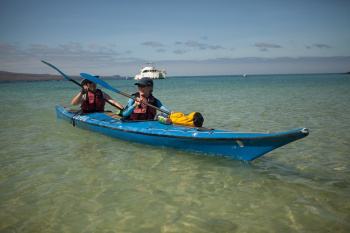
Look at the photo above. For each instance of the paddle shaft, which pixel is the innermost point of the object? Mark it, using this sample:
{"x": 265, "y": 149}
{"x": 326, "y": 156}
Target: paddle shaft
{"x": 72, "y": 80}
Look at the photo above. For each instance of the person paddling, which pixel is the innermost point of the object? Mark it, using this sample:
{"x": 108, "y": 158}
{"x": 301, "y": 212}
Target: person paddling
{"x": 138, "y": 111}
{"x": 91, "y": 98}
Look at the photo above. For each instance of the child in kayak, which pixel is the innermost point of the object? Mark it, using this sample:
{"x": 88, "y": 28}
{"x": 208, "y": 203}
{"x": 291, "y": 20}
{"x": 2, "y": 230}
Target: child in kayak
{"x": 138, "y": 111}
{"x": 91, "y": 98}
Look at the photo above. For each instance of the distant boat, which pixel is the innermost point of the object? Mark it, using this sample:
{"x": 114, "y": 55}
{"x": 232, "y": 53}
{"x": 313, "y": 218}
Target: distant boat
{"x": 150, "y": 71}
{"x": 244, "y": 75}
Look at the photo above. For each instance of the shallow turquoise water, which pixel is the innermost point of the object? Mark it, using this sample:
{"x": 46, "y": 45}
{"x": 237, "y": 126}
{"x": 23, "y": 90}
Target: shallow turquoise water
{"x": 58, "y": 178}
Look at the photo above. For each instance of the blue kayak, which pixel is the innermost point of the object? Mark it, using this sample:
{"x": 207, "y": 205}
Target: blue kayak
{"x": 235, "y": 145}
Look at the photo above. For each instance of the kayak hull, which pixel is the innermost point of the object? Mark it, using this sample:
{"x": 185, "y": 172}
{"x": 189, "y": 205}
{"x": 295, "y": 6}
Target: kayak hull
{"x": 240, "y": 146}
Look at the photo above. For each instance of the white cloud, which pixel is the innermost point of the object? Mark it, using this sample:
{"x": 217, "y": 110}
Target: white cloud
{"x": 264, "y": 47}
{"x": 179, "y": 51}
{"x": 319, "y": 46}
{"x": 152, "y": 44}
{"x": 75, "y": 58}
{"x": 267, "y": 45}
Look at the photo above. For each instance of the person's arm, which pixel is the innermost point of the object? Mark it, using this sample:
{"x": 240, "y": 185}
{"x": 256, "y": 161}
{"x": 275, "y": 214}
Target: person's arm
{"x": 160, "y": 105}
{"x": 107, "y": 97}
{"x": 130, "y": 108}
{"x": 78, "y": 99}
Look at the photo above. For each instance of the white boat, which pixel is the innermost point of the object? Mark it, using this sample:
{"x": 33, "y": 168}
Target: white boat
{"x": 150, "y": 71}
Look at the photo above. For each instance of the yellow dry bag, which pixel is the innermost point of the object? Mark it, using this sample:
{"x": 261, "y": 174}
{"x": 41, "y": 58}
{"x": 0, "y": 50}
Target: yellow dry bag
{"x": 195, "y": 119}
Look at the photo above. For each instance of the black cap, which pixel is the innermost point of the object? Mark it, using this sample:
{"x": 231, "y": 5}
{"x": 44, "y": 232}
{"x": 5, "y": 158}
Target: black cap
{"x": 145, "y": 81}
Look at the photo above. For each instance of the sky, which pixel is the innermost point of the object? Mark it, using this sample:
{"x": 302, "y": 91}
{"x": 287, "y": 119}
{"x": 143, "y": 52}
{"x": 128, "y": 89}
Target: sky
{"x": 183, "y": 37}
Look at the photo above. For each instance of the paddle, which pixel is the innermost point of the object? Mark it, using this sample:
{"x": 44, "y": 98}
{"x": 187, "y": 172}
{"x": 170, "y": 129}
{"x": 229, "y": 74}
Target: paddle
{"x": 64, "y": 75}
{"x": 106, "y": 85}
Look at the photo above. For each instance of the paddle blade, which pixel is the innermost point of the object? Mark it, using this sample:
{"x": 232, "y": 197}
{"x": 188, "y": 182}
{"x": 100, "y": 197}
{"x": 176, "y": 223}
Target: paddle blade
{"x": 54, "y": 67}
{"x": 98, "y": 81}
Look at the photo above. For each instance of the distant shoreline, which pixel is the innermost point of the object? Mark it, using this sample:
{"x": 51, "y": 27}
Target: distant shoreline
{"x": 9, "y": 77}
{"x": 14, "y": 77}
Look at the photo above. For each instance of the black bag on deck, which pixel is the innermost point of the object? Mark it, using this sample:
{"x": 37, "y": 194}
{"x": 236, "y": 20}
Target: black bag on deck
{"x": 198, "y": 119}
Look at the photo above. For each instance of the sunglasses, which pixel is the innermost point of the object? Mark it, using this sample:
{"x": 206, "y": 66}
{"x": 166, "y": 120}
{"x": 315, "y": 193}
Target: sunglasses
{"x": 141, "y": 85}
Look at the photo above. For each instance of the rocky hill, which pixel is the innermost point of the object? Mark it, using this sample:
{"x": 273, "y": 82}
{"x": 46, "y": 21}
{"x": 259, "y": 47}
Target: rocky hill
{"x": 9, "y": 76}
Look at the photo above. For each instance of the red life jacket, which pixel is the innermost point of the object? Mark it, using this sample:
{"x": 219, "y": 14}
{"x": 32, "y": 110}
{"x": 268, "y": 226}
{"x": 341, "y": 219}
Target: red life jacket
{"x": 94, "y": 103}
{"x": 144, "y": 112}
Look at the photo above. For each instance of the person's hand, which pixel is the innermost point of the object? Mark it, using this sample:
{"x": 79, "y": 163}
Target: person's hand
{"x": 137, "y": 102}
{"x": 84, "y": 90}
